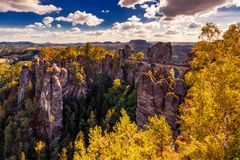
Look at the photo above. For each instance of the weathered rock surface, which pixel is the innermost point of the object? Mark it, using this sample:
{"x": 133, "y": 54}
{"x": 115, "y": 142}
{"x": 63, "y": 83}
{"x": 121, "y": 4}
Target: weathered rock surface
{"x": 160, "y": 53}
{"x": 145, "y": 99}
{"x": 51, "y": 101}
{"x": 171, "y": 111}
{"x": 156, "y": 98}
{"x": 55, "y": 81}
{"x": 179, "y": 89}
{"x": 24, "y": 79}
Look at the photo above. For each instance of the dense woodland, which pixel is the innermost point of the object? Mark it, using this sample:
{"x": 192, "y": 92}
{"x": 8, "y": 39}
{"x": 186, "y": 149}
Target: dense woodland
{"x": 103, "y": 126}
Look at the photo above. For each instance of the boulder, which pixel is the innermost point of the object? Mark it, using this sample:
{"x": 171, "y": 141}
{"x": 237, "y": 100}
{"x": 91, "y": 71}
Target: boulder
{"x": 160, "y": 53}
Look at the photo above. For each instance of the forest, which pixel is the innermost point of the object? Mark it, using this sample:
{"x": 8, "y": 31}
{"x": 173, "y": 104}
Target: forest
{"x": 101, "y": 124}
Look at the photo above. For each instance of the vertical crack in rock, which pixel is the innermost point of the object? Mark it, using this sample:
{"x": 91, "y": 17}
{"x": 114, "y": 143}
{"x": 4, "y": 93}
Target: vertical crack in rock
{"x": 24, "y": 79}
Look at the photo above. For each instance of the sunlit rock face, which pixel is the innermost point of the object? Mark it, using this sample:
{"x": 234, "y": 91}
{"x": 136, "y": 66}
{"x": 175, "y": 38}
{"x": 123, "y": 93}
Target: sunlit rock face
{"x": 160, "y": 53}
{"x": 55, "y": 81}
{"x": 157, "y": 98}
{"x": 51, "y": 100}
{"x": 52, "y": 84}
{"x": 171, "y": 111}
{"x": 24, "y": 79}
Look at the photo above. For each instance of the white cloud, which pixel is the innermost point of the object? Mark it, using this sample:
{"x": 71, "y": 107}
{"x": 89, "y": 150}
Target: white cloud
{"x": 81, "y": 18}
{"x": 47, "y": 21}
{"x": 152, "y": 11}
{"x": 105, "y": 11}
{"x": 154, "y": 30}
{"x": 34, "y": 6}
{"x": 36, "y": 25}
{"x": 134, "y": 19}
{"x": 127, "y": 25}
{"x": 59, "y": 26}
{"x": 132, "y": 3}
{"x": 15, "y": 31}
{"x": 144, "y": 6}
{"x": 75, "y": 29}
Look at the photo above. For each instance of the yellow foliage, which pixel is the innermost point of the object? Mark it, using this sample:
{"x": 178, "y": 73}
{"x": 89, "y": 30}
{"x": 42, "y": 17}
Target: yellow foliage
{"x": 210, "y": 115}
{"x": 22, "y": 156}
{"x": 63, "y": 155}
{"x": 127, "y": 142}
{"x": 138, "y": 56}
{"x": 40, "y": 146}
{"x": 117, "y": 83}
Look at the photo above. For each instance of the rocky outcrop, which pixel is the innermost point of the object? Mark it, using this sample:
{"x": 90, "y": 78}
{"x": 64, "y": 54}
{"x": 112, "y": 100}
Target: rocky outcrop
{"x": 51, "y": 101}
{"x": 54, "y": 81}
{"x": 24, "y": 79}
{"x": 139, "y": 45}
{"x": 156, "y": 98}
{"x": 171, "y": 111}
{"x": 52, "y": 84}
{"x": 160, "y": 53}
{"x": 145, "y": 99}
{"x": 179, "y": 88}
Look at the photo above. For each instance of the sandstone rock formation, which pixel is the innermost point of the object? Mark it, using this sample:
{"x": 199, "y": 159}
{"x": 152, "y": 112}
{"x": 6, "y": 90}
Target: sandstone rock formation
{"x": 24, "y": 79}
{"x": 51, "y": 84}
{"x": 156, "y": 98}
{"x": 51, "y": 101}
{"x": 179, "y": 88}
{"x": 171, "y": 111}
{"x": 160, "y": 53}
{"x": 54, "y": 81}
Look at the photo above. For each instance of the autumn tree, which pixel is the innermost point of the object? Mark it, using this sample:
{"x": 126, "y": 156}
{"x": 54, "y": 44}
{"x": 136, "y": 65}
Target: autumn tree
{"x": 138, "y": 56}
{"x": 127, "y": 142}
{"x": 210, "y": 114}
{"x": 210, "y": 31}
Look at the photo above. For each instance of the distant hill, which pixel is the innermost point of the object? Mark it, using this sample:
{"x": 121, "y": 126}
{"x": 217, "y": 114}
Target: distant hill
{"x": 181, "y": 50}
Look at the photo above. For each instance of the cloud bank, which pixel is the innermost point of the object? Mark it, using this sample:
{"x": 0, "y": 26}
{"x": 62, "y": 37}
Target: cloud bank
{"x": 34, "y": 6}
{"x": 173, "y": 8}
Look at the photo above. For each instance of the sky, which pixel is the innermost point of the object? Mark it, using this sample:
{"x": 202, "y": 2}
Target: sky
{"x": 71, "y": 21}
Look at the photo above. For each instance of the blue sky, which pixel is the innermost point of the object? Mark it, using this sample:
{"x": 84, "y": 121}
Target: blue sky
{"x": 66, "y": 21}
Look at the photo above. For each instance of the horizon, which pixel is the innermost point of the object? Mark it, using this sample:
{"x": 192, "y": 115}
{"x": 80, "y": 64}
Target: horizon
{"x": 91, "y": 42}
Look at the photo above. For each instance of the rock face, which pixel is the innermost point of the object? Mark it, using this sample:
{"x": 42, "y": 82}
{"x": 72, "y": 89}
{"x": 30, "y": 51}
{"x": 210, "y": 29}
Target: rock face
{"x": 54, "y": 81}
{"x": 145, "y": 99}
{"x": 51, "y": 84}
{"x": 179, "y": 89}
{"x": 156, "y": 98}
{"x": 24, "y": 79}
{"x": 51, "y": 101}
{"x": 139, "y": 45}
{"x": 171, "y": 111}
{"x": 56, "y": 85}
{"x": 160, "y": 53}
